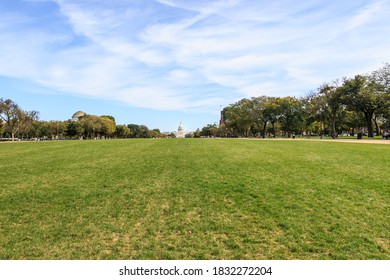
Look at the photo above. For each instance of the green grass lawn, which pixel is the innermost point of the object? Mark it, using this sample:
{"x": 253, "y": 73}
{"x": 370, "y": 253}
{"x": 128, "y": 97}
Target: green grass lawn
{"x": 194, "y": 199}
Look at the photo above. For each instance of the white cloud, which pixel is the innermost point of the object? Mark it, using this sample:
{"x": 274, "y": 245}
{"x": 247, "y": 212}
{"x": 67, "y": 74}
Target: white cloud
{"x": 188, "y": 55}
{"x": 366, "y": 14}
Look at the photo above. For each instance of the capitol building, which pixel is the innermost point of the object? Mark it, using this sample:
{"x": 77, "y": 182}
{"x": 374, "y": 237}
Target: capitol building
{"x": 180, "y": 131}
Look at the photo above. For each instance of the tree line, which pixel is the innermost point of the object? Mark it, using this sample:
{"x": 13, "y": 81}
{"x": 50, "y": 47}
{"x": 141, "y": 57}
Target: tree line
{"x": 16, "y": 123}
{"x": 352, "y": 105}
{"x": 345, "y": 105}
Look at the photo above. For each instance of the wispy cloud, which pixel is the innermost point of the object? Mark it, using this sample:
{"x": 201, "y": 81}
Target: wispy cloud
{"x": 190, "y": 55}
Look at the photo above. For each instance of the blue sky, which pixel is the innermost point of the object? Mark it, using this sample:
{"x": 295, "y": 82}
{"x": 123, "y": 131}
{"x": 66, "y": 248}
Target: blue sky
{"x": 159, "y": 62}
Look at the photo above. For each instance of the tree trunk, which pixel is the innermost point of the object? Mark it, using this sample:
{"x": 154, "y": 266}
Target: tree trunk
{"x": 13, "y": 136}
{"x": 368, "y": 116}
{"x": 376, "y": 127}
{"x": 333, "y": 128}
{"x": 273, "y": 129}
{"x": 288, "y": 131}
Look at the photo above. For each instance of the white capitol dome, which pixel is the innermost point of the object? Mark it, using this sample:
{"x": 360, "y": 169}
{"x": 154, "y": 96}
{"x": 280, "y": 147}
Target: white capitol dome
{"x": 78, "y": 115}
{"x": 180, "y": 131}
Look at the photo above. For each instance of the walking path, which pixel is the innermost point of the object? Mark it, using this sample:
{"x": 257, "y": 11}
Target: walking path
{"x": 365, "y": 141}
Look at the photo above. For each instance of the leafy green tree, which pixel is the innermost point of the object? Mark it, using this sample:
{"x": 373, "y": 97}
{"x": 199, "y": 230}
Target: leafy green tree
{"x": 385, "y": 116}
{"x": 109, "y": 117}
{"x": 1, "y": 128}
{"x": 352, "y": 121}
{"x": 381, "y": 77}
{"x": 10, "y": 113}
{"x": 92, "y": 125}
{"x": 290, "y": 114}
{"x": 261, "y": 118}
{"x": 58, "y": 129}
{"x": 122, "y": 131}
{"x": 34, "y": 129}
{"x": 328, "y": 105}
{"x": 246, "y": 115}
{"x": 271, "y": 113}
{"x": 144, "y": 132}
{"x": 230, "y": 120}
{"x": 311, "y": 119}
{"x": 364, "y": 94}
{"x": 44, "y": 129}
{"x": 107, "y": 127}
{"x": 14, "y": 117}
{"x": 74, "y": 129}
{"x": 27, "y": 120}
{"x": 135, "y": 130}
{"x": 209, "y": 130}
{"x": 51, "y": 129}
{"x": 197, "y": 133}
{"x": 240, "y": 117}
{"x": 386, "y": 124}
{"x": 156, "y": 133}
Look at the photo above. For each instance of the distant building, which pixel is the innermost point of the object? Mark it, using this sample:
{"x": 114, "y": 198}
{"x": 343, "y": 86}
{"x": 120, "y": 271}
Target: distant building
{"x": 221, "y": 121}
{"x": 77, "y": 115}
{"x": 180, "y": 131}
